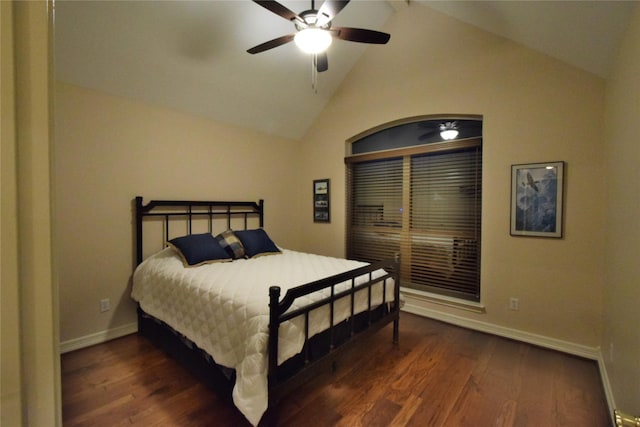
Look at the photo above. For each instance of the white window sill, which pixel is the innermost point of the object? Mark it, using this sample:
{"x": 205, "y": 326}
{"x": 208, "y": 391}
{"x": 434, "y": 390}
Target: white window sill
{"x": 457, "y": 303}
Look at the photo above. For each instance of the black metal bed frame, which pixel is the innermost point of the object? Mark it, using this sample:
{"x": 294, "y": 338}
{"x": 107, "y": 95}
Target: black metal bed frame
{"x": 318, "y": 352}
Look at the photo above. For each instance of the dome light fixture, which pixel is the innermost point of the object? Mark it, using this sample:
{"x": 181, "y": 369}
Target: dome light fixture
{"x": 313, "y": 40}
{"x": 449, "y": 130}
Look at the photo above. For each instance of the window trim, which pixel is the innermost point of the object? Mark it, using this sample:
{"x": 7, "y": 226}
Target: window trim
{"x": 445, "y": 300}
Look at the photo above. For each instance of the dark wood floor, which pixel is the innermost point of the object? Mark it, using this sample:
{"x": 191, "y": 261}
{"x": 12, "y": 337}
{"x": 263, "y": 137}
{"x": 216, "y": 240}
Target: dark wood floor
{"x": 439, "y": 375}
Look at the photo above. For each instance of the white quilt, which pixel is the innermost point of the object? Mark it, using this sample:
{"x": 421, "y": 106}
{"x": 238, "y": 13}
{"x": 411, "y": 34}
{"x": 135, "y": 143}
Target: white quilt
{"x": 224, "y": 309}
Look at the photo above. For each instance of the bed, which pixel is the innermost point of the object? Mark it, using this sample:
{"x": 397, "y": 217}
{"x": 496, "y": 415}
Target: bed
{"x": 254, "y": 326}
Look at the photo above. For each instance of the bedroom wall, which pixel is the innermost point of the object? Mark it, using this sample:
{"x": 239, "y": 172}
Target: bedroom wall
{"x": 622, "y": 285}
{"x": 535, "y": 109}
{"x": 109, "y": 150}
{"x": 10, "y": 366}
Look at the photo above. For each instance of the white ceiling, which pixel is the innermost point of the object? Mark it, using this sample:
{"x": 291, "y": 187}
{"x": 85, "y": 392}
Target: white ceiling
{"x": 191, "y": 55}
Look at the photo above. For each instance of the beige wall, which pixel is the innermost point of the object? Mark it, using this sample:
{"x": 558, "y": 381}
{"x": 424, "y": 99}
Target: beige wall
{"x": 535, "y": 109}
{"x": 10, "y": 380}
{"x": 29, "y": 363}
{"x": 622, "y": 287}
{"x": 109, "y": 150}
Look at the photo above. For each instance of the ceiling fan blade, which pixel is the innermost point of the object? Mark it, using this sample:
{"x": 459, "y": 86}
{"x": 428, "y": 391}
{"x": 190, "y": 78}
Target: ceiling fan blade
{"x": 279, "y": 9}
{"x": 322, "y": 62}
{"x": 271, "y": 44}
{"x": 360, "y": 35}
{"x": 329, "y": 10}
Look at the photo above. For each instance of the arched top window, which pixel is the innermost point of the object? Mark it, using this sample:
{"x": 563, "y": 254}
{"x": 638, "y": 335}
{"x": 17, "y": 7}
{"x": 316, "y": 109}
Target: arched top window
{"x": 414, "y": 192}
{"x": 415, "y": 131}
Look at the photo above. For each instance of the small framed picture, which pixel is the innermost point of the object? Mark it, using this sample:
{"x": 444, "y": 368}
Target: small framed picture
{"x": 321, "y": 207}
{"x": 537, "y": 199}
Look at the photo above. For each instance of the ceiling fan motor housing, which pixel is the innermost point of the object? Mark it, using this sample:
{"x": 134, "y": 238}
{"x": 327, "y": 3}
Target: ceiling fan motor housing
{"x": 310, "y": 18}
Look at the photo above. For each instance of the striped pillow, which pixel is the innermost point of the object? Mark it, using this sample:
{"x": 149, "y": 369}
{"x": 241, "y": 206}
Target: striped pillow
{"x": 231, "y": 244}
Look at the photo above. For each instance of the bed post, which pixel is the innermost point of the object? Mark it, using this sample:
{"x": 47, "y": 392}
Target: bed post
{"x": 396, "y": 297}
{"x": 261, "y": 204}
{"x": 138, "y": 230}
{"x": 274, "y": 325}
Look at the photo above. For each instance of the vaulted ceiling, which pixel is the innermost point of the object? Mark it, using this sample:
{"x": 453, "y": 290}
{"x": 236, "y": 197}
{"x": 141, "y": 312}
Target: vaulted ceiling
{"x": 191, "y": 55}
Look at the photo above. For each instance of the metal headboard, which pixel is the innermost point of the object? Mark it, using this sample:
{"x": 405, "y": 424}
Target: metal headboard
{"x": 186, "y": 210}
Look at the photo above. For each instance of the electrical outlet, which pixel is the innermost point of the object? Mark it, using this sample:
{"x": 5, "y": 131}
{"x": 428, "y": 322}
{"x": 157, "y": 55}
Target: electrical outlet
{"x": 514, "y": 304}
{"x": 105, "y": 305}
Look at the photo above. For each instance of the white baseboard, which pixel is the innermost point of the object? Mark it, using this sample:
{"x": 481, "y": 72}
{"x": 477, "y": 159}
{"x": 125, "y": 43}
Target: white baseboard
{"x": 98, "y": 337}
{"x": 608, "y": 392}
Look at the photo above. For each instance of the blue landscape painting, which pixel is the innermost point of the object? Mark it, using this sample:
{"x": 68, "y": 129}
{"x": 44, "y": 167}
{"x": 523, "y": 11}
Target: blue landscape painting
{"x": 536, "y": 200}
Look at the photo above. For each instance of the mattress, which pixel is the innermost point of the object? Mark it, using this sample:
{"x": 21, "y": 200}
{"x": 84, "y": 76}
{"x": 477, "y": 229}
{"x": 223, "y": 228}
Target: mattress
{"x": 223, "y": 308}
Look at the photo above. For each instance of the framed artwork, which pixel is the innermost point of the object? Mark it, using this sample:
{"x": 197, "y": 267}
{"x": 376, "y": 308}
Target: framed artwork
{"x": 321, "y": 201}
{"x": 536, "y": 199}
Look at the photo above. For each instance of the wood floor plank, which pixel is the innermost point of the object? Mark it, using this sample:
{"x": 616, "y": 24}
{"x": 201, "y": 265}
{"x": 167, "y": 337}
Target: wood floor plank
{"x": 409, "y": 408}
{"x": 576, "y": 386}
{"x": 536, "y": 399}
{"x": 489, "y": 394}
{"x": 447, "y": 374}
{"x": 438, "y": 375}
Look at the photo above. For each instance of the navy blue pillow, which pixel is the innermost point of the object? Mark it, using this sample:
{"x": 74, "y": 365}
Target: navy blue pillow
{"x": 256, "y": 242}
{"x": 198, "y": 249}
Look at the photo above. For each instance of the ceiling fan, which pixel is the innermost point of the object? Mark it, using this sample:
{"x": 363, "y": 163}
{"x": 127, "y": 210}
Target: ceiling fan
{"x": 313, "y": 27}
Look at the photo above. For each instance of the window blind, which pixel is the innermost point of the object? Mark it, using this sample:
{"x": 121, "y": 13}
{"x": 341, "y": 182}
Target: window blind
{"x": 445, "y": 223}
{"x": 425, "y": 205}
{"x": 375, "y": 209}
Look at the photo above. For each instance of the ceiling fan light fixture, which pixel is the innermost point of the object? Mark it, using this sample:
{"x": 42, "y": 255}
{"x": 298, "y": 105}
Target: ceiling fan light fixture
{"x": 313, "y": 40}
{"x": 449, "y": 130}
